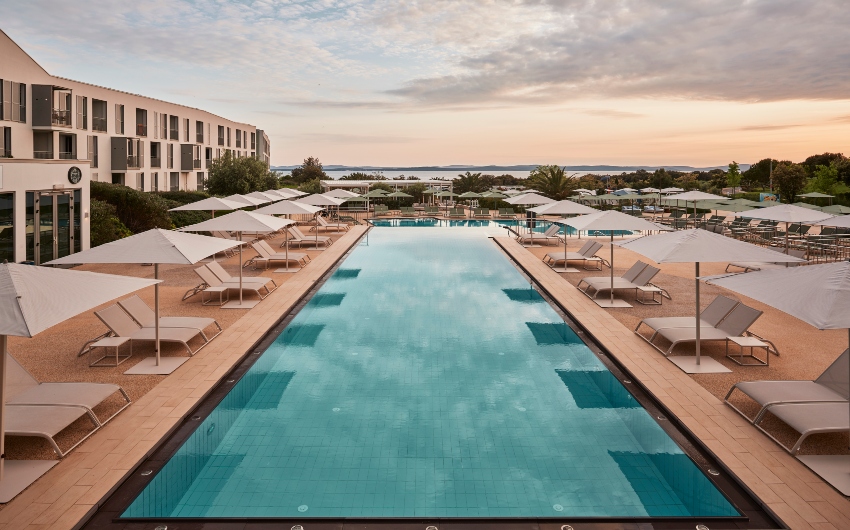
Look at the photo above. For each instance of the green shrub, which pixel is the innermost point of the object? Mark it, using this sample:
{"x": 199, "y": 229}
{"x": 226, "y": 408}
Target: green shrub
{"x": 183, "y": 197}
{"x": 105, "y": 225}
{"x": 137, "y": 210}
{"x": 188, "y": 217}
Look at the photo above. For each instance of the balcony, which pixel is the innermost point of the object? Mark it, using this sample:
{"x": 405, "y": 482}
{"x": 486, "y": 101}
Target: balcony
{"x": 221, "y": 140}
{"x": 141, "y": 130}
{"x": 134, "y": 162}
{"x": 67, "y": 155}
{"x": 199, "y": 138}
{"x": 156, "y": 162}
{"x": 196, "y": 163}
{"x": 43, "y": 155}
{"x": 61, "y": 118}
{"x": 174, "y": 134}
{"x": 98, "y": 124}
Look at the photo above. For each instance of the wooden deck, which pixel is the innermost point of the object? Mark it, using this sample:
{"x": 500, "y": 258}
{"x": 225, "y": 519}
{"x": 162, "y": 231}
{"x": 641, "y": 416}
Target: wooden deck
{"x": 68, "y": 494}
{"x": 795, "y": 495}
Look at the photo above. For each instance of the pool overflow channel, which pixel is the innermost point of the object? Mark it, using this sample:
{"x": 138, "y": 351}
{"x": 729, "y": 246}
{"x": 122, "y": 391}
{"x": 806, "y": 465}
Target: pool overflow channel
{"x": 754, "y": 514}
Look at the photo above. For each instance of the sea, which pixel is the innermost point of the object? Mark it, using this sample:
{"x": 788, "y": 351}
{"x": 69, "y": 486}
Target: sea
{"x": 449, "y": 174}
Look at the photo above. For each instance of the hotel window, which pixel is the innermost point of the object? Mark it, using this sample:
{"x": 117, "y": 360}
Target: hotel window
{"x": 163, "y": 121}
{"x": 196, "y": 157}
{"x": 140, "y": 181}
{"x": 119, "y": 118}
{"x": 82, "y": 112}
{"x": 156, "y": 125}
{"x": 238, "y": 138}
{"x": 156, "y": 154}
{"x": 118, "y": 178}
{"x": 141, "y": 122}
{"x": 228, "y": 137}
{"x": 199, "y": 132}
{"x": 200, "y": 185}
{"x": 98, "y": 115}
{"x": 5, "y": 142}
{"x": 14, "y": 101}
{"x": 208, "y": 153}
{"x": 209, "y": 139}
{"x": 221, "y": 135}
{"x": 174, "y": 131}
{"x": 245, "y": 139}
{"x": 217, "y": 153}
{"x": 92, "y": 149}
{"x": 154, "y": 181}
{"x": 174, "y": 181}
{"x": 7, "y": 224}
{"x": 170, "y": 156}
{"x": 186, "y": 130}
{"x": 253, "y": 141}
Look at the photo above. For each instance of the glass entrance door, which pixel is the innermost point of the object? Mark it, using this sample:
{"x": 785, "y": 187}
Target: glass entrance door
{"x": 53, "y": 220}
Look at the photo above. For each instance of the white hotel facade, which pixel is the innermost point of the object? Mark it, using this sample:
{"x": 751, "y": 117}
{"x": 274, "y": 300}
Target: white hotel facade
{"x": 58, "y": 135}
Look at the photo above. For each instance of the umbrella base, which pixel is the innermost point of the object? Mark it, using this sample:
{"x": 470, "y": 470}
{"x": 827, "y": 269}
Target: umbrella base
{"x": 834, "y": 469}
{"x": 290, "y": 269}
{"x": 245, "y": 304}
{"x": 707, "y": 365}
{"x": 565, "y": 269}
{"x": 608, "y": 303}
{"x": 19, "y": 474}
{"x": 147, "y": 366}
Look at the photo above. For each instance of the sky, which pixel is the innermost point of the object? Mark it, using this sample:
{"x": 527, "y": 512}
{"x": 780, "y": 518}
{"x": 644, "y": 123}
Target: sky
{"x": 440, "y": 82}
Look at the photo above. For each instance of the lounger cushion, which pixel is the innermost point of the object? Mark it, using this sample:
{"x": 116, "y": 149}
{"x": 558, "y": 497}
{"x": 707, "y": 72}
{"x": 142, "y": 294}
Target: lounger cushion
{"x": 818, "y": 417}
{"x": 166, "y": 334}
{"x": 35, "y": 420}
{"x": 690, "y": 334}
{"x": 88, "y": 394}
{"x": 765, "y": 392}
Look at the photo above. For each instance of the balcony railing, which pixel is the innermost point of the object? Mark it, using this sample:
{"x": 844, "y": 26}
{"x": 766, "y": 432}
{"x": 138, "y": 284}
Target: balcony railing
{"x": 199, "y": 138}
{"x": 67, "y": 155}
{"x": 175, "y": 134}
{"x": 156, "y": 162}
{"x": 221, "y": 140}
{"x": 134, "y": 162}
{"x": 61, "y": 118}
{"x": 141, "y": 130}
{"x": 196, "y": 163}
{"x": 98, "y": 124}
{"x": 4, "y": 153}
{"x": 45, "y": 155}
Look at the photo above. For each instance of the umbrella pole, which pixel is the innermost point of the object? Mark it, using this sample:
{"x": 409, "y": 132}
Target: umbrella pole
{"x": 696, "y": 279}
{"x": 156, "y": 308}
{"x": 4, "y": 348}
{"x": 241, "y": 244}
{"x": 612, "y": 268}
{"x": 286, "y": 241}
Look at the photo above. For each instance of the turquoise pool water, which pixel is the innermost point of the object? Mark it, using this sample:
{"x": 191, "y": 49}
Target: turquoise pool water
{"x": 515, "y": 224}
{"x": 426, "y": 378}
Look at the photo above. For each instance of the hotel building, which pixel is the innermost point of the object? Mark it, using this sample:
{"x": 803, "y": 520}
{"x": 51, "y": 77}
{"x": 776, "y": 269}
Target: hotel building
{"x": 58, "y": 135}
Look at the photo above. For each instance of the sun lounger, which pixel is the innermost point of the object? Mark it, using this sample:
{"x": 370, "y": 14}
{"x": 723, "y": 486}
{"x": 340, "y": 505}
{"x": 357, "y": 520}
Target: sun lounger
{"x": 760, "y": 266}
{"x": 381, "y": 209}
{"x": 122, "y": 325}
{"x": 810, "y": 418}
{"x": 145, "y": 316}
{"x": 266, "y": 254}
{"x": 408, "y": 211}
{"x": 24, "y": 389}
{"x": 586, "y": 253}
{"x": 711, "y": 316}
{"x": 506, "y": 213}
{"x": 457, "y": 213}
{"x": 228, "y": 279}
{"x": 629, "y": 280}
{"x": 833, "y": 385}
{"x": 549, "y": 237}
{"x": 431, "y": 210}
{"x": 330, "y": 227}
{"x": 45, "y": 421}
{"x": 481, "y": 213}
{"x": 298, "y": 238}
{"x": 736, "y": 323}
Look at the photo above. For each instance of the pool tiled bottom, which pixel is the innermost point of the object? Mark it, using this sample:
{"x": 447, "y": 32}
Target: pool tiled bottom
{"x": 427, "y": 379}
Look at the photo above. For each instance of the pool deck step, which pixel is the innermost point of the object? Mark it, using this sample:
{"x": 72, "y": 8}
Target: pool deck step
{"x": 67, "y": 495}
{"x": 798, "y": 497}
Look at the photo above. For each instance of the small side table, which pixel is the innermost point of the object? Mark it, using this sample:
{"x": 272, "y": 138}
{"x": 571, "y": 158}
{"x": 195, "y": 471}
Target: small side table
{"x": 655, "y": 296}
{"x": 752, "y": 343}
{"x": 111, "y": 342}
{"x": 223, "y": 295}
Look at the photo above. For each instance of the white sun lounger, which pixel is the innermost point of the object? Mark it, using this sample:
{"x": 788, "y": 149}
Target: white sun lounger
{"x": 45, "y": 421}
{"x": 210, "y": 280}
{"x": 711, "y": 316}
{"x": 639, "y": 275}
{"x": 24, "y": 389}
{"x": 761, "y": 266}
{"x": 833, "y": 385}
{"x": 587, "y": 253}
{"x": 259, "y": 281}
{"x": 330, "y": 227}
{"x": 145, "y": 316}
{"x": 549, "y": 237}
{"x": 736, "y": 323}
{"x": 810, "y": 418}
{"x": 122, "y": 325}
{"x": 298, "y": 238}
{"x": 265, "y": 255}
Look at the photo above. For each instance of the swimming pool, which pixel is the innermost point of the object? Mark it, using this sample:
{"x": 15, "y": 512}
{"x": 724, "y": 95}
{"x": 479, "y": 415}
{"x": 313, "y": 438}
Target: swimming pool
{"x": 427, "y": 378}
{"x": 499, "y": 226}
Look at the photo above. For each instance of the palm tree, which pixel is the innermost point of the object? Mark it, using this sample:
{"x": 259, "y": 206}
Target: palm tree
{"x": 552, "y": 181}
{"x": 469, "y": 182}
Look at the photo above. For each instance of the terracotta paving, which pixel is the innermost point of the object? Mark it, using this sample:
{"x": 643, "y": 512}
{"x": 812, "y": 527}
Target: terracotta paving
{"x": 70, "y": 492}
{"x": 795, "y": 495}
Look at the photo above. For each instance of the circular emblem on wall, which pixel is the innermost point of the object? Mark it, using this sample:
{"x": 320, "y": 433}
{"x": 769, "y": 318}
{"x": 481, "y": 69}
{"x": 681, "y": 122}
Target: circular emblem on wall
{"x": 75, "y": 175}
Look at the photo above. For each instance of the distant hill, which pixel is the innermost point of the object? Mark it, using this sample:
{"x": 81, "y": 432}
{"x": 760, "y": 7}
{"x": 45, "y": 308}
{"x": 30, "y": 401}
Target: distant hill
{"x": 507, "y": 169}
